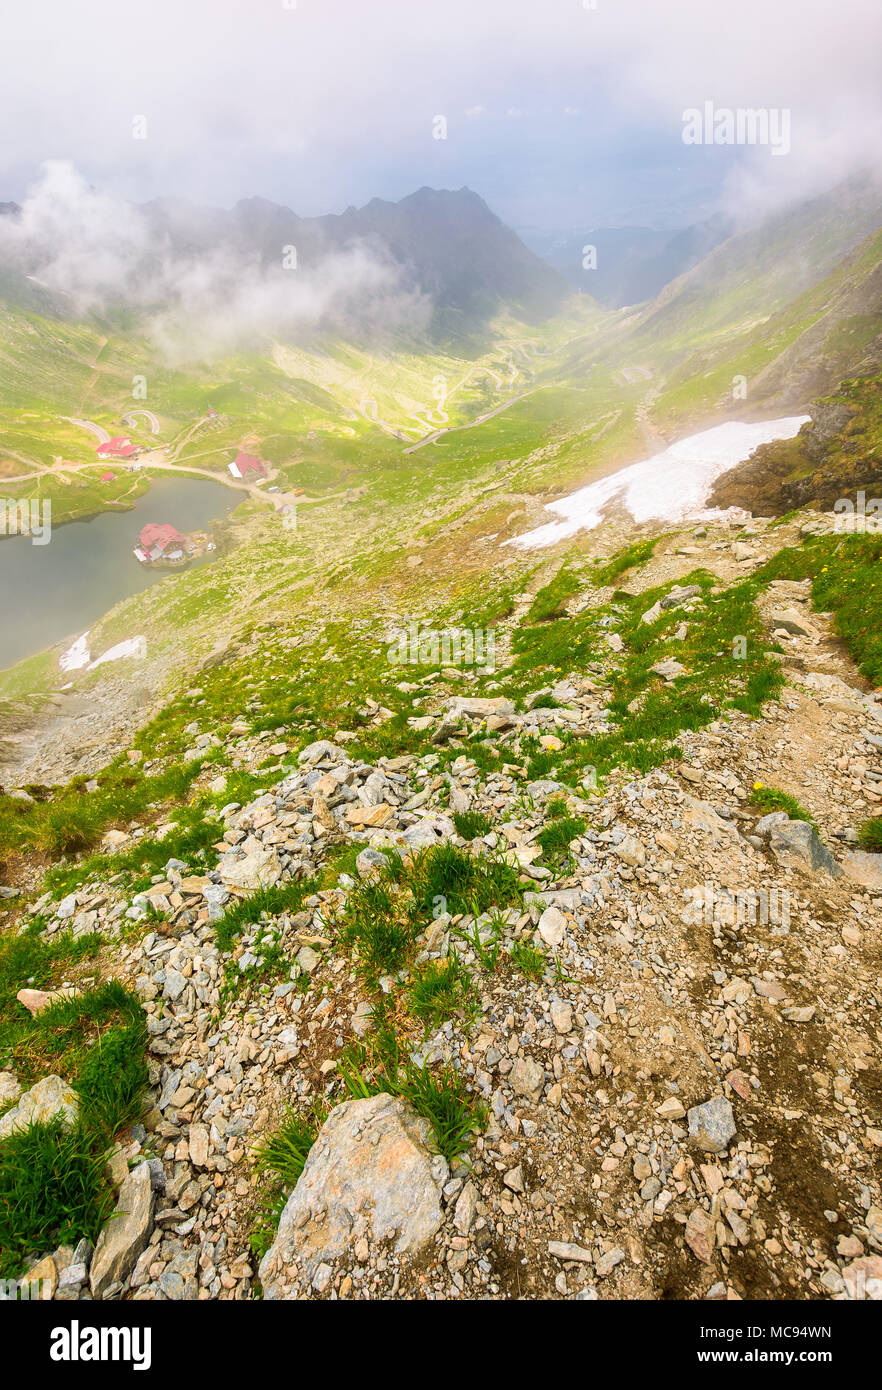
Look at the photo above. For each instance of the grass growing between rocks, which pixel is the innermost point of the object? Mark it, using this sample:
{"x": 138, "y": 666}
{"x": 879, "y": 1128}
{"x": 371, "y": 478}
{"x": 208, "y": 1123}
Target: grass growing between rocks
{"x": 385, "y": 915}
{"x": 846, "y": 581}
{"x": 281, "y": 897}
{"x": 550, "y": 601}
{"x": 53, "y": 1190}
{"x": 73, "y": 820}
{"x": 870, "y": 836}
{"x": 189, "y": 842}
{"x": 281, "y": 1157}
{"x": 633, "y": 557}
{"x": 440, "y": 990}
{"x": 767, "y": 799}
{"x": 471, "y": 824}
{"x": 723, "y": 652}
{"x": 439, "y": 1096}
{"x": 53, "y": 1186}
{"x": 529, "y": 960}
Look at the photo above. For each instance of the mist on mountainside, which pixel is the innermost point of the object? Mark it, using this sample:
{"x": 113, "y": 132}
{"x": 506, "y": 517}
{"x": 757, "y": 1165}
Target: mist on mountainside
{"x": 208, "y": 282}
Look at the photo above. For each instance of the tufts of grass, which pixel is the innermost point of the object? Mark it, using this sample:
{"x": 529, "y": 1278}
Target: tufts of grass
{"x": 148, "y": 856}
{"x": 529, "y": 960}
{"x": 768, "y": 799}
{"x": 52, "y": 1182}
{"x": 53, "y": 1190}
{"x": 471, "y": 824}
{"x": 635, "y": 555}
{"x": 463, "y": 881}
{"x": 439, "y": 990}
{"x": 556, "y": 838}
{"x": 442, "y": 1099}
{"x": 282, "y": 897}
{"x": 870, "y": 836}
{"x": 282, "y": 1157}
{"x": 550, "y": 601}
{"x": 376, "y": 926}
{"x": 113, "y": 1079}
{"x": 385, "y": 915}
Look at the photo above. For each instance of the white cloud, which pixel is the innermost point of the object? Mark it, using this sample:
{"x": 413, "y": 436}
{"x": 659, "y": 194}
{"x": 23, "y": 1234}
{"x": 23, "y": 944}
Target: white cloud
{"x": 332, "y": 102}
{"x": 102, "y": 252}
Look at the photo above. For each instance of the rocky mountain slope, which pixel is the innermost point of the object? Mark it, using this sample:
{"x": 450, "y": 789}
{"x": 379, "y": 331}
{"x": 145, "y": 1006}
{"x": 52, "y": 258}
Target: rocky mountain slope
{"x": 559, "y": 979}
{"x": 424, "y": 917}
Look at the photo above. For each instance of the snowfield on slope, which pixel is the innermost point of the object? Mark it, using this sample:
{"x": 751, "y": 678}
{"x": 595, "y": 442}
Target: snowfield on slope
{"x": 670, "y": 486}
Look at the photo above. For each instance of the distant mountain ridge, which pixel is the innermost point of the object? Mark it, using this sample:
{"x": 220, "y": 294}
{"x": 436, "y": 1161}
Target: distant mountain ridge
{"x": 633, "y": 264}
{"x": 449, "y": 245}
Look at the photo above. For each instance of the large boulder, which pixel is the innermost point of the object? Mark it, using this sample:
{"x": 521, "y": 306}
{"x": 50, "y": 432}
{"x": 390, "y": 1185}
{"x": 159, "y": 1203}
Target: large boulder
{"x": 371, "y": 1174}
{"x": 260, "y": 869}
{"x": 47, "y": 1100}
{"x": 796, "y": 845}
{"x": 125, "y": 1235}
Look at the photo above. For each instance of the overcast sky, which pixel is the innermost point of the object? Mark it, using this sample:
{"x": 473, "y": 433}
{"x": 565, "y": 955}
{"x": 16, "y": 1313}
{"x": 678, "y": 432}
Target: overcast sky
{"x": 559, "y": 114}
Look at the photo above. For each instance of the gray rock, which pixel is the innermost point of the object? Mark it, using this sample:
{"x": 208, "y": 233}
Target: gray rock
{"x": 679, "y": 594}
{"x": 320, "y": 750}
{"x": 669, "y": 669}
{"x": 10, "y": 1090}
{"x": 552, "y": 926}
{"x": 47, "y": 1100}
{"x": 765, "y": 824}
{"x": 370, "y": 1174}
{"x": 791, "y": 621}
{"x": 797, "y": 845}
{"x": 712, "y": 1125}
{"x": 527, "y": 1078}
{"x": 479, "y": 708}
{"x": 261, "y": 869}
{"x": 125, "y": 1234}
{"x": 175, "y": 984}
{"x": 369, "y": 860}
{"x": 545, "y": 787}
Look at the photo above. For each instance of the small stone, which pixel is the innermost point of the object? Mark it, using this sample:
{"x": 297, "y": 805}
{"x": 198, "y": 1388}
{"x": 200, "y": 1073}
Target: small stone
{"x": 700, "y": 1234}
{"x": 561, "y": 1250}
{"x": 552, "y": 926}
{"x": 527, "y": 1078}
{"x": 712, "y": 1125}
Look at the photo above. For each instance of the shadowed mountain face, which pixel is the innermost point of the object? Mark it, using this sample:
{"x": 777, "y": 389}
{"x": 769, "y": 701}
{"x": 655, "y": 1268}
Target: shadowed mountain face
{"x": 449, "y": 245}
{"x": 632, "y": 263}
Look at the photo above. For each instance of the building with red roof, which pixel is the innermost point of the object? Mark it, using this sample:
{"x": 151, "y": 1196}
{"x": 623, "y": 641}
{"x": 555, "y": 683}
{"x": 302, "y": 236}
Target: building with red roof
{"x": 121, "y": 447}
{"x": 245, "y": 465}
{"x": 160, "y": 541}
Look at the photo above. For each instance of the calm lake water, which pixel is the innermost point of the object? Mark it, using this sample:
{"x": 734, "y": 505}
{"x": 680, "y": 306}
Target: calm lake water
{"x": 49, "y": 592}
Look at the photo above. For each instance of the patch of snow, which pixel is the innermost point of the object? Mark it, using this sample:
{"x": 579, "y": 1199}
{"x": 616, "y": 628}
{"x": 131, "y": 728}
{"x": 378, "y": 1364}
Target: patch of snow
{"x": 77, "y": 656}
{"x": 670, "y": 486}
{"x": 132, "y": 646}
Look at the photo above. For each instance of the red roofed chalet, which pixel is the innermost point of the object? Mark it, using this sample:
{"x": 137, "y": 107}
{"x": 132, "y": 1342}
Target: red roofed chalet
{"x": 245, "y": 465}
{"x": 160, "y": 540}
{"x": 118, "y": 448}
